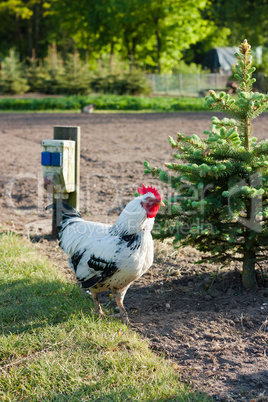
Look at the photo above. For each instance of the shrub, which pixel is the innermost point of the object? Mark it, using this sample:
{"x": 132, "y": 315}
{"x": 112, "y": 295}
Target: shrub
{"x": 131, "y": 83}
{"x": 53, "y": 65}
{"x": 12, "y": 79}
{"x": 75, "y": 78}
{"x": 36, "y": 75}
{"x": 220, "y": 204}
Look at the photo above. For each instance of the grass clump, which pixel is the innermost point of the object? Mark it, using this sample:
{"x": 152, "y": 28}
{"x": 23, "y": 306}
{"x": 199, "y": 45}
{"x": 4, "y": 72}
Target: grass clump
{"x": 53, "y": 347}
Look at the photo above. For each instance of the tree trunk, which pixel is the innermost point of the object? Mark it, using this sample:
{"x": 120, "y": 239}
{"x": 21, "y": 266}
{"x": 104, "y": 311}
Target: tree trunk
{"x": 19, "y": 38}
{"x": 87, "y": 54}
{"x": 29, "y": 38}
{"x": 248, "y": 273}
{"x": 158, "y": 48}
{"x": 132, "y": 56}
{"x": 112, "y": 57}
{"x": 36, "y": 26}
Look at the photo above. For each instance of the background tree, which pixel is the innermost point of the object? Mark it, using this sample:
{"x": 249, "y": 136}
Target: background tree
{"x": 174, "y": 26}
{"x": 244, "y": 18}
{"x": 220, "y": 204}
{"x": 151, "y": 34}
{"x": 26, "y": 25}
{"x": 234, "y": 19}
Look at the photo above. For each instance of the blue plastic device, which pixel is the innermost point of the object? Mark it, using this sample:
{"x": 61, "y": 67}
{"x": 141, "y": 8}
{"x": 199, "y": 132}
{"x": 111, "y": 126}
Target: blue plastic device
{"x": 56, "y": 159}
{"x": 46, "y": 158}
{"x": 51, "y": 158}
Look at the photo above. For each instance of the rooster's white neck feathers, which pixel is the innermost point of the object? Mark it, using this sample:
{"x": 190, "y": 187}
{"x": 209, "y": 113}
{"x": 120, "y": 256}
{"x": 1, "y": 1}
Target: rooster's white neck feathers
{"x": 133, "y": 218}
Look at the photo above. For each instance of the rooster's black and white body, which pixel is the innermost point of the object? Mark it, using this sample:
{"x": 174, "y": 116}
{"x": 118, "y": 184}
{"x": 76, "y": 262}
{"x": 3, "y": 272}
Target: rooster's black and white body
{"x": 111, "y": 256}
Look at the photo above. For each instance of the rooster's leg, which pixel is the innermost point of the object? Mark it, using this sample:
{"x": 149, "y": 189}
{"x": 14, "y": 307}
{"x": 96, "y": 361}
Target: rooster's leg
{"x": 119, "y": 298}
{"x": 97, "y": 303}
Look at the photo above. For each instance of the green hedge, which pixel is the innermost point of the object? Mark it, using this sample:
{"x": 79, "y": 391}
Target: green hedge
{"x": 104, "y": 102}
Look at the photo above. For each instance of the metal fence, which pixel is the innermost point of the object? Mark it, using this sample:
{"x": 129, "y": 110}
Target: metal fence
{"x": 196, "y": 84}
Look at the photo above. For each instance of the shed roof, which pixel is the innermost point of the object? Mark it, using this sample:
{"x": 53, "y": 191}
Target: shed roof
{"x": 220, "y": 59}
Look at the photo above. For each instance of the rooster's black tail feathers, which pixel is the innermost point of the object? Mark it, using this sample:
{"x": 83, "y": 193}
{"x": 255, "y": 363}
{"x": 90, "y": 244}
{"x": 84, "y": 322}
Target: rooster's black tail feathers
{"x": 63, "y": 212}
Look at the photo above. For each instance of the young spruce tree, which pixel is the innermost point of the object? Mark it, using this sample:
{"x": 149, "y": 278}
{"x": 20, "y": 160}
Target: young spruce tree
{"x": 220, "y": 204}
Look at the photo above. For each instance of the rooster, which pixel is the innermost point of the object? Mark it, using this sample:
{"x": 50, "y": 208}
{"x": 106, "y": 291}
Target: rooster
{"x": 111, "y": 257}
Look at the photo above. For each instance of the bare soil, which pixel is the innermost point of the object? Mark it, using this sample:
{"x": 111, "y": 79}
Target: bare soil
{"x": 214, "y": 332}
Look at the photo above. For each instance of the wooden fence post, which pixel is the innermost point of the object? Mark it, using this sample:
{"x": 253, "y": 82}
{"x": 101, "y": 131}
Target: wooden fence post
{"x": 181, "y": 84}
{"x": 74, "y": 134}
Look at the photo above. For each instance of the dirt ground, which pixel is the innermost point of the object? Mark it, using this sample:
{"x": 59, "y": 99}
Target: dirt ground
{"x": 214, "y": 333}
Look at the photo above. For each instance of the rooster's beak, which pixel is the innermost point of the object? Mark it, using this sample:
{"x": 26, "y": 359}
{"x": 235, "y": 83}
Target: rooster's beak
{"x": 161, "y": 203}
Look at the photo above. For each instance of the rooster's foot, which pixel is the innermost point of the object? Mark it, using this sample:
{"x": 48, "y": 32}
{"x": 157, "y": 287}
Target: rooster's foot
{"x": 123, "y": 313}
{"x": 124, "y": 318}
{"x": 97, "y": 304}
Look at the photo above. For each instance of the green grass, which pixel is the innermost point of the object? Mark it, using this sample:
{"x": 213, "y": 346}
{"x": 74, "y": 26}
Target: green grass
{"x": 54, "y": 348}
{"x": 104, "y": 103}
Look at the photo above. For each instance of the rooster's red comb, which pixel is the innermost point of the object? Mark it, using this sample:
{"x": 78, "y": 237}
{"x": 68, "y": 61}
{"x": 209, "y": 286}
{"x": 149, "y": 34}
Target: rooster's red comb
{"x": 143, "y": 190}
